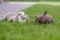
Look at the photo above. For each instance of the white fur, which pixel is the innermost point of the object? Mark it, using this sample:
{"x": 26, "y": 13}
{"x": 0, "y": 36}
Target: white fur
{"x": 21, "y": 18}
{"x": 10, "y": 16}
{"x": 23, "y": 15}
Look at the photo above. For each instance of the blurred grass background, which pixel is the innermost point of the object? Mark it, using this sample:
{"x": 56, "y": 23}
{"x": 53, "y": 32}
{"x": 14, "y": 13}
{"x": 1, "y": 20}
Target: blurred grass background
{"x": 32, "y": 30}
{"x": 35, "y": 0}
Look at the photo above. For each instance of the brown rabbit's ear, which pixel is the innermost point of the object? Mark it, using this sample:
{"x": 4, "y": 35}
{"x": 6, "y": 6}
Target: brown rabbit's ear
{"x": 44, "y": 14}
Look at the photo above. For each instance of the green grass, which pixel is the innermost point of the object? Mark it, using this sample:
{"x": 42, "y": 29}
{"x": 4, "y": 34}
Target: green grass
{"x": 36, "y": 0}
{"x": 32, "y": 30}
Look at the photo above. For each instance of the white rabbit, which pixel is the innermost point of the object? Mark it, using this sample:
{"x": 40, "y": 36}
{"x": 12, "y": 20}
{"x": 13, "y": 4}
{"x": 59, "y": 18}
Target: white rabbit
{"x": 19, "y": 16}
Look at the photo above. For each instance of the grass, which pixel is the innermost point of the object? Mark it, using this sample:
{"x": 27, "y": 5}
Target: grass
{"x": 36, "y": 0}
{"x": 32, "y": 30}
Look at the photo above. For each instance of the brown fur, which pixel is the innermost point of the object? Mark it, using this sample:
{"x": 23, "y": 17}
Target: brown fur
{"x": 44, "y": 18}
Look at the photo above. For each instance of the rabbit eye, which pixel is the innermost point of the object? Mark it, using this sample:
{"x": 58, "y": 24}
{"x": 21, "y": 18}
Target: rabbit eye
{"x": 19, "y": 14}
{"x": 23, "y": 18}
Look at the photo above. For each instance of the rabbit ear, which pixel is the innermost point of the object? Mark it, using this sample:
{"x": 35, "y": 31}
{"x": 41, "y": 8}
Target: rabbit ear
{"x": 44, "y": 14}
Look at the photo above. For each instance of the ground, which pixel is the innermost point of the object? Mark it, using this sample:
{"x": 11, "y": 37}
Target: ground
{"x": 35, "y": 0}
{"x": 12, "y": 7}
{"x": 33, "y": 30}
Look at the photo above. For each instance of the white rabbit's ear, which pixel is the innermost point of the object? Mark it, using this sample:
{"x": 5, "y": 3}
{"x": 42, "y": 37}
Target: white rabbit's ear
{"x": 18, "y": 13}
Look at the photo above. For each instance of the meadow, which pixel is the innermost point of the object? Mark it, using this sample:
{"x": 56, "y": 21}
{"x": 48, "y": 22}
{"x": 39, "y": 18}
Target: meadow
{"x": 35, "y": 0}
{"x": 33, "y": 30}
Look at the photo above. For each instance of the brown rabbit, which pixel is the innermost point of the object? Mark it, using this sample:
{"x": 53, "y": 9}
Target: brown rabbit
{"x": 44, "y": 18}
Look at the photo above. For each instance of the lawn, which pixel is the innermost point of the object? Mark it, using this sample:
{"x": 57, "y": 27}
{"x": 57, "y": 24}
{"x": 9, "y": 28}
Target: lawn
{"x": 33, "y": 30}
{"x": 36, "y": 0}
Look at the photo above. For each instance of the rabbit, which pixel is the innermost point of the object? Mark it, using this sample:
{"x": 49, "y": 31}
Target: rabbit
{"x": 44, "y": 18}
{"x": 19, "y": 16}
